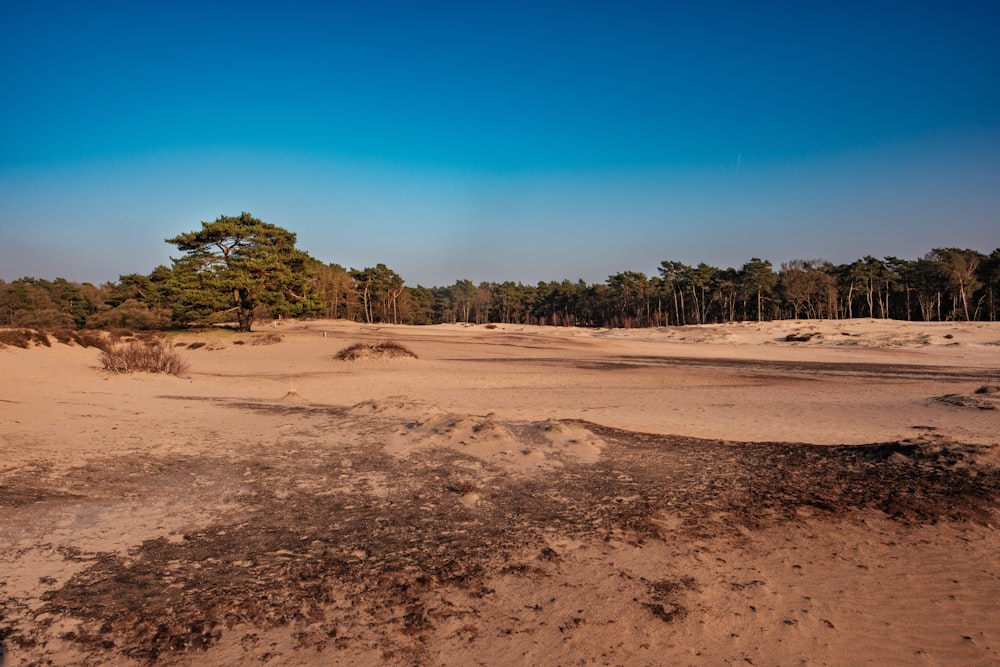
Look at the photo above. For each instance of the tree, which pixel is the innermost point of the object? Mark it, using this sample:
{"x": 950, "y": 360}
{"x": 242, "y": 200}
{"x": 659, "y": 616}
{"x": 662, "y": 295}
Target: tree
{"x": 419, "y": 305}
{"x": 959, "y": 267}
{"x": 990, "y": 272}
{"x": 809, "y": 287}
{"x": 333, "y": 286}
{"x": 758, "y": 278}
{"x": 699, "y": 279}
{"x": 631, "y": 289}
{"x": 379, "y": 288}
{"x": 674, "y": 275}
{"x": 244, "y": 260}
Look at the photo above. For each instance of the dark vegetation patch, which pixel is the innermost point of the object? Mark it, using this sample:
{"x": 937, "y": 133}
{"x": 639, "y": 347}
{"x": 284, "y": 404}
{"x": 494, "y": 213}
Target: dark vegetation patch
{"x": 383, "y": 350}
{"x": 315, "y": 543}
{"x": 266, "y": 339}
{"x": 803, "y": 337}
{"x": 23, "y": 338}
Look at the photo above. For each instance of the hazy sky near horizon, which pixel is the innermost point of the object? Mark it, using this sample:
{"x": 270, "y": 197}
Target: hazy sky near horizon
{"x": 498, "y": 141}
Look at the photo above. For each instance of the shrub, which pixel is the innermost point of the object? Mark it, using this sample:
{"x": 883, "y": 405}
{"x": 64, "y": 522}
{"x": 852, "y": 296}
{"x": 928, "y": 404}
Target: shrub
{"x": 266, "y": 339}
{"x": 385, "y": 350}
{"x": 143, "y": 356}
{"x": 45, "y": 319}
{"x": 132, "y": 314}
{"x": 90, "y": 338}
{"x": 23, "y": 338}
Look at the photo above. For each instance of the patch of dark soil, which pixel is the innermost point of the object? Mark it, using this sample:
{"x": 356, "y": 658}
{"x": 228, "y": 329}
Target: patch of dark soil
{"x": 28, "y": 486}
{"x": 766, "y": 366}
{"x": 759, "y": 483}
{"x": 317, "y": 545}
{"x": 21, "y": 496}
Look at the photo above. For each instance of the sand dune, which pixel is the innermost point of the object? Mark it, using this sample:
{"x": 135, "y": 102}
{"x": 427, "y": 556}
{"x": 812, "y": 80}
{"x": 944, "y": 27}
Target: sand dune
{"x": 776, "y": 493}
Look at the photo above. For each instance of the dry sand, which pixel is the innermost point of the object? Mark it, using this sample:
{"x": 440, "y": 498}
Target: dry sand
{"x": 516, "y": 495}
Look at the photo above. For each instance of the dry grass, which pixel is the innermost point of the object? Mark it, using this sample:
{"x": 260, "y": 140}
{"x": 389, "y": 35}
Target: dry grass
{"x": 143, "y": 356}
{"x": 26, "y": 338}
{"x": 384, "y": 350}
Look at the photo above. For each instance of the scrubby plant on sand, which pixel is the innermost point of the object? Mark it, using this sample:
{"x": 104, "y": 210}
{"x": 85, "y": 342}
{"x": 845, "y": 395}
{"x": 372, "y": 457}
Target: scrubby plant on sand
{"x": 384, "y": 350}
{"x": 24, "y": 338}
{"x": 266, "y": 339}
{"x": 143, "y": 356}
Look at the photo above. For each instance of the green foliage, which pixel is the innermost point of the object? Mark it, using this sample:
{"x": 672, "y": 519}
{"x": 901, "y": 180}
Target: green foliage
{"x": 241, "y": 268}
{"x": 131, "y": 314}
{"x": 44, "y": 304}
{"x": 235, "y": 266}
{"x": 419, "y": 305}
{"x": 379, "y": 288}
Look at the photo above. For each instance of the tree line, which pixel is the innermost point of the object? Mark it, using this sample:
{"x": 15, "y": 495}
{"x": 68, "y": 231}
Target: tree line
{"x": 241, "y": 269}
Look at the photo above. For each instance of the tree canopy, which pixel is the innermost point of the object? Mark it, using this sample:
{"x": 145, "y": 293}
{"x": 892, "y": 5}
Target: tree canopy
{"x": 232, "y": 265}
{"x": 241, "y": 268}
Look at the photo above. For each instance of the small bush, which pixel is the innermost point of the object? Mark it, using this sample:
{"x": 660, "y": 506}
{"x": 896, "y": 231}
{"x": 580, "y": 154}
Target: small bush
{"x": 119, "y": 333}
{"x": 64, "y": 336}
{"x": 195, "y": 345}
{"x": 90, "y": 339}
{"x": 385, "y": 350}
{"x": 149, "y": 356}
{"x": 266, "y": 339}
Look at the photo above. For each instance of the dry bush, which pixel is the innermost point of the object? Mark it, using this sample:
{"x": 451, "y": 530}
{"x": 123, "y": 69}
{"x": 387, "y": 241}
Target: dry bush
{"x": 384, "y": 350}
{"x": 143, "y": 356}
{"x": 266, "y": 339}
{"x": 118, "y": 333}
{"x": 24, "y": 338}
{"x": 64, "y": 336}
{"x": 90, "y": 339}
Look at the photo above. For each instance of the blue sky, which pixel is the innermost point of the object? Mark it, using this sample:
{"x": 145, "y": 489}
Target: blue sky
{"x": 499, "y": 140}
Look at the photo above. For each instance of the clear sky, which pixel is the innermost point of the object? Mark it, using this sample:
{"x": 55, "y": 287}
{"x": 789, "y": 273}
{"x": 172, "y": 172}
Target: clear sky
{"x": 502, "y": 140}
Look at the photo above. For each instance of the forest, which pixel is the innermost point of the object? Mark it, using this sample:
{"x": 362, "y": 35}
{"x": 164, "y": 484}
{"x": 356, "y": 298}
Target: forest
{"x": 241, "y": 269}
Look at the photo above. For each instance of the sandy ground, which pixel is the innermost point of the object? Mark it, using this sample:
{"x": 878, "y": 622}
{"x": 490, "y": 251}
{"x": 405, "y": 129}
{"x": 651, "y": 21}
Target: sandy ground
{"x": 515, "y": 495}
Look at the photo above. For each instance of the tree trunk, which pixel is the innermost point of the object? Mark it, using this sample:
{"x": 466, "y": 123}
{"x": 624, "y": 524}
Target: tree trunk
{"x": 244, "y": 308}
